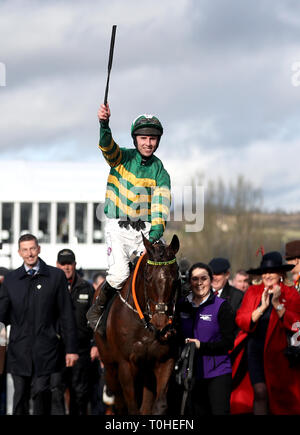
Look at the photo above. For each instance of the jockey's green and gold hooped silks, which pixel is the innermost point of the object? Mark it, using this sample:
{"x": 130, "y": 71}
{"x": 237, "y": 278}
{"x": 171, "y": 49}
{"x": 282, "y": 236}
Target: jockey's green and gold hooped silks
{"x": 136, "y": 189}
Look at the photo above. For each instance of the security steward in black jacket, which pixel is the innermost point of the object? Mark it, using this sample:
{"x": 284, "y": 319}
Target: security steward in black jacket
{"x": 76, "y": 379}
{"x": 33, "y": 298}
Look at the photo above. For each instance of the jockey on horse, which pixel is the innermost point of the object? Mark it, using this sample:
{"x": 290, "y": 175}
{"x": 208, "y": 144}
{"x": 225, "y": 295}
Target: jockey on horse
{"x": 137, "y": 201}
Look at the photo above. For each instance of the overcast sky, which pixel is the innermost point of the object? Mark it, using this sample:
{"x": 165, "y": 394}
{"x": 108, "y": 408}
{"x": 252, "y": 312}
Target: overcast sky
{"x": 218, "y": 73}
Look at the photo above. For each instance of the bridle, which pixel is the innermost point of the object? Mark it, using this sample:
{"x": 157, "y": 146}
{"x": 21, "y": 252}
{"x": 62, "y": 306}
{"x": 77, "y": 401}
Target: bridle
{"x": 159, "y": 307}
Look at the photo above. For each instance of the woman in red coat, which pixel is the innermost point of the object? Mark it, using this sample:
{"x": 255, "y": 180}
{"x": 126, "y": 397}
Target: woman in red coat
{"x": 263, "y": 380}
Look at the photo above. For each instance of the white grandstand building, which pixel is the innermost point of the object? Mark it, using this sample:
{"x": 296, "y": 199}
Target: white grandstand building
{"x": 60, "y": 203}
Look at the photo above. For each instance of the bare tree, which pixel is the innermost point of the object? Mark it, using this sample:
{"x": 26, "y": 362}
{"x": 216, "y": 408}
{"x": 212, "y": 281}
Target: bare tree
{"x": 234, "y": 225}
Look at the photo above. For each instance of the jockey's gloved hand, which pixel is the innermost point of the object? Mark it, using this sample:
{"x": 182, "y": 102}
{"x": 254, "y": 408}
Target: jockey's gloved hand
{"x": 124, "y": 224}
{"x": 140, "y": 225}
{"x": 136, "y": 225}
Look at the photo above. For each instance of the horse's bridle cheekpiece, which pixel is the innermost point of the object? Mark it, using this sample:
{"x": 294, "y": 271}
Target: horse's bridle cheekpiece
{"x": 159, "y": 308}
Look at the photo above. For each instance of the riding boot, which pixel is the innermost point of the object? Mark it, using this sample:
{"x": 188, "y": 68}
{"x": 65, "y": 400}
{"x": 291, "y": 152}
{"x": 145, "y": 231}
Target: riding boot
{"x": 95, "y": 313}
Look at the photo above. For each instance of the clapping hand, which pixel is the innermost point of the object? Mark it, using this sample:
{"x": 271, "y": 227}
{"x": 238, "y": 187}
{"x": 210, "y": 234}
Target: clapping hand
{"x": 265, "y": 298}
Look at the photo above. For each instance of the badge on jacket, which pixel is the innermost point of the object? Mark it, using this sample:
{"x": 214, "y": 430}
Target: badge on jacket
{"x": 83, "y": 298}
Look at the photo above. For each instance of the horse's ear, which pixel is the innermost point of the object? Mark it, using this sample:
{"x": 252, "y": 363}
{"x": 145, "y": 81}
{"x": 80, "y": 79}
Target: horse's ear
{"x": 174, "y": 245}
{"x": 147, "y": 244}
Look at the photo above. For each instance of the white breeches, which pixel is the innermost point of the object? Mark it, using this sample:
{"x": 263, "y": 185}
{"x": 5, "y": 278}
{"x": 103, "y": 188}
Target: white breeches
{"x": 121, "y": 244}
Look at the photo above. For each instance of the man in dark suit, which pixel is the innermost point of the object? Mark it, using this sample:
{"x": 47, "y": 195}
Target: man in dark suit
{"x": 33, "y": 298}
{"x": 221, "y": 272}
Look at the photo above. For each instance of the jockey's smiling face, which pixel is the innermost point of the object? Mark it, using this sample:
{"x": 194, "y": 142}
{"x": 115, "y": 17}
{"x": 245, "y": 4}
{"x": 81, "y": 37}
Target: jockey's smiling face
{"x": 146, "y": 145}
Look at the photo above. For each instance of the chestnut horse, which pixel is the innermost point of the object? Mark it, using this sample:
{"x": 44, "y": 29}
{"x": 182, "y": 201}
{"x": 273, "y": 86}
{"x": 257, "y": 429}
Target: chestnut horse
{"x": 140, "y": 348}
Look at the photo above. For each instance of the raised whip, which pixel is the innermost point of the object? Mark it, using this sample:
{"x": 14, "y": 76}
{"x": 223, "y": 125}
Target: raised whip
{"x": 111, "y": 54}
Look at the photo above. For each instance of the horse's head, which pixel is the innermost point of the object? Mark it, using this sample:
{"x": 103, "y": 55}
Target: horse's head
{"x": 161, "y": 275}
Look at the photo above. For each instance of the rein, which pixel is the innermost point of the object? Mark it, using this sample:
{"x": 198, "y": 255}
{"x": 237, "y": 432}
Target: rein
{"x": 140, "y": 313}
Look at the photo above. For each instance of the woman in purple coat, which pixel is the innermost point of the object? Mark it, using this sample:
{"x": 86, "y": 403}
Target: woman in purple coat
{"x": 208, "y": 320}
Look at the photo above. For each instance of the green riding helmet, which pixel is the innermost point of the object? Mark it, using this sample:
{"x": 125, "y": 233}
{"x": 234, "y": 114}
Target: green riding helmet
{"x": 147, "y": 125}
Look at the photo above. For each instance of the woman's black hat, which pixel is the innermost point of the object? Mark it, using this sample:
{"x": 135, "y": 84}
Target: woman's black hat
{"x": 271, "y": 262}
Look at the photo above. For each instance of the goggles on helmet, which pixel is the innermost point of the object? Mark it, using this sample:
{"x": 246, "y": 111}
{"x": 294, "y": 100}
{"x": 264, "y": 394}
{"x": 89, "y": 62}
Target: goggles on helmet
{"x": 147, "y": 125}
